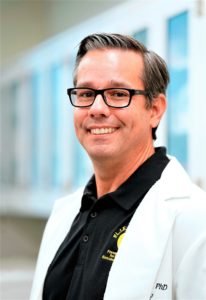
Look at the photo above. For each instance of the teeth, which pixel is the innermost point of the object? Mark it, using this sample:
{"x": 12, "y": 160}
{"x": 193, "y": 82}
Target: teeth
{"x": 102, "y": 130}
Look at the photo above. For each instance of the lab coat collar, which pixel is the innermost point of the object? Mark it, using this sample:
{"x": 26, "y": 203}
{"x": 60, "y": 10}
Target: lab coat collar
{"x": 138, "y": 260}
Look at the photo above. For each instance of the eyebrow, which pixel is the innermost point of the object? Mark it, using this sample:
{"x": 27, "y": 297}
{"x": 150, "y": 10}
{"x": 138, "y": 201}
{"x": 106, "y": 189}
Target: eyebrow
{"x": 112, "y": 83}
{"x": 116, "y": 83}
{"x": 84, "y": 84}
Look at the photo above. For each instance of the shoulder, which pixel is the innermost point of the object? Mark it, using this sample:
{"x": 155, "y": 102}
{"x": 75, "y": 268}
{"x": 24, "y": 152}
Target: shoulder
{"x": 189, "y": 230}
{"x": 64, "y": 211}
{"x": 192, "y": 212}
{"x": 60, "y": 220}
{"x": 193, "y": 207}
{"x": 198, "y": 193}
{"x": 68, "y": 201}
{"x": 175, "y": 183}
{"x": 187, "y": 200}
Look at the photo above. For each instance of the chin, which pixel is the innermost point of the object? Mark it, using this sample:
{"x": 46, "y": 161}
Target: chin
{"x": 102, "y": 154}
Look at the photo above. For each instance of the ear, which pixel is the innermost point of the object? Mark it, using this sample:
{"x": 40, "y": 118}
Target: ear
{"x": 158, "y": 108}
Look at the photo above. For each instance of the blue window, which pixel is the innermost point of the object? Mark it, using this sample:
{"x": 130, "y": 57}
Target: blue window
{"x": 178, "y": 89}
{"x": 55, "y": 79}
{"x": 35, "y": 120}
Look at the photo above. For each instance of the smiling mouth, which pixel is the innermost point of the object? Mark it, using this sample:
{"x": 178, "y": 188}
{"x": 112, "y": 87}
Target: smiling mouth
{"x": 102, "y": 130}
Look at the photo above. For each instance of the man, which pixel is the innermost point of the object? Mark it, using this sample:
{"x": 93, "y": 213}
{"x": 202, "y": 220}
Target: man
{"x": 138, "y": 230}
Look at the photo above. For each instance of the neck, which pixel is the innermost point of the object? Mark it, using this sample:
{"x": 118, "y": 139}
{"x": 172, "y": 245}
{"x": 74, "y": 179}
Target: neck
{"x": 110, "y": 174}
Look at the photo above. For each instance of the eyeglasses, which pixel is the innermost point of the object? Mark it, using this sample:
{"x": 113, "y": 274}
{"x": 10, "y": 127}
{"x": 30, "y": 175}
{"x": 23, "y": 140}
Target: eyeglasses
{"x": 113, "y": 97}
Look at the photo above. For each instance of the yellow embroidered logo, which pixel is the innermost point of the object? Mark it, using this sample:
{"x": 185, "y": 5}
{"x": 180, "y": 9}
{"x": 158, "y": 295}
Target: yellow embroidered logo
{"x": 119, "y": 240}
{"x": 118, "y": 235}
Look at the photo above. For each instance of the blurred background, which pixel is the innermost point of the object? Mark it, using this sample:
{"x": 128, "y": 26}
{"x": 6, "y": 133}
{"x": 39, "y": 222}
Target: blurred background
{"x": 40, "y": 158}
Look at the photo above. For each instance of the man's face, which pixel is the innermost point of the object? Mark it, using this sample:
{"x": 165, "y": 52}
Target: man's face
{"x": 108, "y": 133}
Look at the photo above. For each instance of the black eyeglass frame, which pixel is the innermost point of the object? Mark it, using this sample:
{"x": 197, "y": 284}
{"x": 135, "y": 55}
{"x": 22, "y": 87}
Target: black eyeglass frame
{"x": 132, "y": 92}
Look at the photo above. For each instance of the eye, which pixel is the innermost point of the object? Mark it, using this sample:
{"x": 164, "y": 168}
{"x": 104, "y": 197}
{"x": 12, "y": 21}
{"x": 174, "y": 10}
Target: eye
{"x": 84, "y": 93}
{"x": 118, "y": 94}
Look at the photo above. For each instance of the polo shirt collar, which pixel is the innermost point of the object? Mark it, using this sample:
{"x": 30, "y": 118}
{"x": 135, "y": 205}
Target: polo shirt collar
{"x": 132, "y": 191}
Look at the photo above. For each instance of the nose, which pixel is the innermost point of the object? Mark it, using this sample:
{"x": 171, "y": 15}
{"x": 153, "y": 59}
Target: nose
{"x": 99, "y": 108}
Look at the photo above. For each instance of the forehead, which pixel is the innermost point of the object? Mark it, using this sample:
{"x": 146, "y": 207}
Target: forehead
{"x": 110, "y": 64}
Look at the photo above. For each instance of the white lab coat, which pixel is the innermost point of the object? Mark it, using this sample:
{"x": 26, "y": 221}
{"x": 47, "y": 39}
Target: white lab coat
{"x": 163, "y": 253}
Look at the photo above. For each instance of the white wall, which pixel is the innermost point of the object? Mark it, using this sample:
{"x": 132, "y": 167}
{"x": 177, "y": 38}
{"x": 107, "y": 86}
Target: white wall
{"x": 26, "y": 23}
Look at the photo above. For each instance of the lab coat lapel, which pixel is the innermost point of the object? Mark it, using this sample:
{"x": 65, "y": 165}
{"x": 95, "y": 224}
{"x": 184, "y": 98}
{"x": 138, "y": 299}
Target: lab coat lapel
{"x": 138, "y": 260}
{"x": 55, "y": 232}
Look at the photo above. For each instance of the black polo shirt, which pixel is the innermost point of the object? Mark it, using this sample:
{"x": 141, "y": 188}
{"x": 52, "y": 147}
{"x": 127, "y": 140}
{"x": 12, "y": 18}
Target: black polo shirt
{"x": 81, "y": 266}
